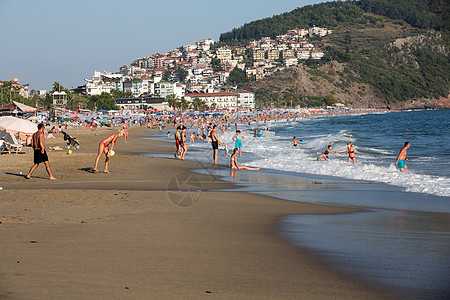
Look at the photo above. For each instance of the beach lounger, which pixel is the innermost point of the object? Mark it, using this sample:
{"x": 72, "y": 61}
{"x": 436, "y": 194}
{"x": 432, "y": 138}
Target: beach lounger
{"x": 14, "y": 145}
{"x": 4, "y": 148}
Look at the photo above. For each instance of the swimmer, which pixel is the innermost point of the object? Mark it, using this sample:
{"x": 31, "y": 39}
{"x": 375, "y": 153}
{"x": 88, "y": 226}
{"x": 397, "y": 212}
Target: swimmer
{"x": 401, "y": 158}
{"x": 325, "y": 154}
{"x": 235, "y": 165}
{"x": 351, "y": 152}
{"x": 294, "y": 142}
{"x": 168, "y": 135}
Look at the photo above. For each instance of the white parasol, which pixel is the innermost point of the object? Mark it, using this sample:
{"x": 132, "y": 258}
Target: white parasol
{"x": 15, "y": 125}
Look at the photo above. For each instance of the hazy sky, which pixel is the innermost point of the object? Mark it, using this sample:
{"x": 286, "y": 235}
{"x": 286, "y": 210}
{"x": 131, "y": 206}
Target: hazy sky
{"x": 43, "y": 41}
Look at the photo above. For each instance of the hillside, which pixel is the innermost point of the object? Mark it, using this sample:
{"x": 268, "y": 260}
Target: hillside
{"x": 370, "y": 59}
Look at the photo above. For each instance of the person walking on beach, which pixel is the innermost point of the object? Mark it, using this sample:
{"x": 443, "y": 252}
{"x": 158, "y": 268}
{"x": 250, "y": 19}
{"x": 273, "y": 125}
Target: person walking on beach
{"x": 325, "y": 154}
{"x": 234, "y": 164}
{"x": 183, "y": 143}
{"x": 215, "y": 142}
{"x": 401, "y": 158}
{"x": 103, "y": 149}
{"x": 238, "y": 138}
{"x": 351, "y": 152}
{"x": 177, "y": 142}
{"x": 40, "y": 155}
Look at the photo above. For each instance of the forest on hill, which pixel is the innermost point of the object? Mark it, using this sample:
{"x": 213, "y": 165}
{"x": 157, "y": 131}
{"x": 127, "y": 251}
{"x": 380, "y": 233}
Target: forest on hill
{"x": 389, "y": 53}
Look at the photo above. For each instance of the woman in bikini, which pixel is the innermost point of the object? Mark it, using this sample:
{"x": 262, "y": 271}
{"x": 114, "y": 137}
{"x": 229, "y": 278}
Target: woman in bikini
{"x": 351, "y": 152}
{"x": 294, "y": 142}
{"x": 235, "y": 165}
{"x": 103, "y": 149}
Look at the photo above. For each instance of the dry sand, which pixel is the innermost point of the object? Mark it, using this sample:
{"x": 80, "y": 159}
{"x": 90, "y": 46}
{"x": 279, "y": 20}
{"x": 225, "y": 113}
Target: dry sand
{"x": 139, "y": 233}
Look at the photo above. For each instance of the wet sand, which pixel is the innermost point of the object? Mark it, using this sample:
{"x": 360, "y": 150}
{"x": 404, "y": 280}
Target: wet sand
{"x": 150, "y": 229}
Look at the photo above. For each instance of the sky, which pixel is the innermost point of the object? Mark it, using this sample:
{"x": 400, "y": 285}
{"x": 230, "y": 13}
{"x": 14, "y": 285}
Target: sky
{"x": 66, "y": 41}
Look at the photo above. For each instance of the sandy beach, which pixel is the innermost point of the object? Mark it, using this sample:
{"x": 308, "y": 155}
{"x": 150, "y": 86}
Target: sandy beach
{"x": 142, "y": 233}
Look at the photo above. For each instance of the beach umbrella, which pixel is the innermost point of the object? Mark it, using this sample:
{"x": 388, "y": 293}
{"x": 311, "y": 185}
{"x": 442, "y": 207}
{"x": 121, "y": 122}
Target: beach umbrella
{"x": 15, "y": 125}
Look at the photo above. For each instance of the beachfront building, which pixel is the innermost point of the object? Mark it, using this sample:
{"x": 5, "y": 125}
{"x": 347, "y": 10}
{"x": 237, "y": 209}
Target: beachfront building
{"x": 21, "y": 89}
{"x": 131, "y": 105}
{"x": 246, "y": 99}
{"x": 165, "y": 88}
{"x": 220, "y": 100}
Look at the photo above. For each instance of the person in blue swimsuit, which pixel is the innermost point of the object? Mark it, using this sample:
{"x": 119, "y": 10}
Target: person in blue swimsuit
{"x": 238, "y": 139}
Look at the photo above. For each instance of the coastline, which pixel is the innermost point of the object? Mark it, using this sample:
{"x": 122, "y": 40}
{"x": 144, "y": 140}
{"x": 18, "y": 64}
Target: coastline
{"x": 132, "y": 241}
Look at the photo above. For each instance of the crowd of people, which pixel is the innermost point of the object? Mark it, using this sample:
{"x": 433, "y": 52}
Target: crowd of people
{"x": 204, "y": 128}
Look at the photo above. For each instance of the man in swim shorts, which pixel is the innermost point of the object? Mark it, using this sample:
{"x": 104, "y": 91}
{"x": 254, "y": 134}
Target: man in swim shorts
{"x": 401, "y": 158}
{"x": 215, "y": 142}
{"x": 40, "y": 155}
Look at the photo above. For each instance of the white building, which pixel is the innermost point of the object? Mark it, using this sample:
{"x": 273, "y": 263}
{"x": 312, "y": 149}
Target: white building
{"x": 246, "y": 99}
{"x": 96, "y": 85}
{"x": 316, "y": 54}
{"x": 222, "y": 100}
{"x": 290, "y": 61}
{"x": 165, "y": 88}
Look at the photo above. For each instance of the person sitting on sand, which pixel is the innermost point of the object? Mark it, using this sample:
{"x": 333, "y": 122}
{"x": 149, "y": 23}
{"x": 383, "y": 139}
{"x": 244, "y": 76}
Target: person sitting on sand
{"x": 103, "y": 149}
{"x": 325, "y": 154}
{"x": 234, "y": 163}
{"x": 351, "y": 152}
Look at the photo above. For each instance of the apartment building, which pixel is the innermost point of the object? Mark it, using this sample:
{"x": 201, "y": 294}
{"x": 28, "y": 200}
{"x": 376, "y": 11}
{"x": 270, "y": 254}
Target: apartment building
{"x": 222, "y": 100}
{"x": 246, "y": 99}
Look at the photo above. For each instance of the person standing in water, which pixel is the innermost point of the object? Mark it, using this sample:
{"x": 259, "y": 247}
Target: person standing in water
{"x": 294, "y": 142}
{"x": 40, "y": 155}
{"x": 401, "y": 158}
{"x": 215, "y": 142}
{"x": 234, "y": 164}
{"x": 238, "y": 138}
{"x": 103, "y": 149}
{"x": 351, "y": 152}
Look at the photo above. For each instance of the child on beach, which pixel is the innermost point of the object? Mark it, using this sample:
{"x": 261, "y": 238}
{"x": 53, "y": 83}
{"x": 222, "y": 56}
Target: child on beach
{"x": 226, "y": 150}
{"x": 325, "y": 154}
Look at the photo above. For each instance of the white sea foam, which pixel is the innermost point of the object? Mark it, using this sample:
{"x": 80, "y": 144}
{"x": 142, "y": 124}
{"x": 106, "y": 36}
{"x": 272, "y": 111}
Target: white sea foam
{"x": 372, "y": 164}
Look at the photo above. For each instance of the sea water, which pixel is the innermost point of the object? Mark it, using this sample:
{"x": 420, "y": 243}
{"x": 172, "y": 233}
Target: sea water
{"x": 403, "y": 241}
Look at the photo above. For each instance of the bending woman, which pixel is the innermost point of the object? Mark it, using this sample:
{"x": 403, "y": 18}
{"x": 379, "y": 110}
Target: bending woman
{"x": 103, "y": 149}
{"x": 235, "y": 165}
{"x": 351, "y": 152}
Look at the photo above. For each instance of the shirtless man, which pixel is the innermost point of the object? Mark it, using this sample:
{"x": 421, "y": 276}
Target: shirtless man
{"x": 215, "y": 142}
{"x": 401, "y": 158}
{"x": 37, "y": 142}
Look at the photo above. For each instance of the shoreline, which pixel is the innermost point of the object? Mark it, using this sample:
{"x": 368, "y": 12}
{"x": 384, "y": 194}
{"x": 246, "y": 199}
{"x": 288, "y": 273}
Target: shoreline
{"x": 220, "y": 229}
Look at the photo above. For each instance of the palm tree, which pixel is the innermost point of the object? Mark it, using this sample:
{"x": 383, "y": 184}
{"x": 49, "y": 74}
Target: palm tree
{"x": 184, "y": 104}
{"x": 172, "y": 99}
{"x": 197, "y": 103}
